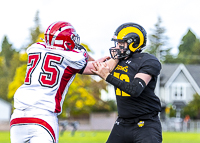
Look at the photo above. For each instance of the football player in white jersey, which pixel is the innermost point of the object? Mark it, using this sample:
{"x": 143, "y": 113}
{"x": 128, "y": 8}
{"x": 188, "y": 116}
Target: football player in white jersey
{"x": 51, "y": 68}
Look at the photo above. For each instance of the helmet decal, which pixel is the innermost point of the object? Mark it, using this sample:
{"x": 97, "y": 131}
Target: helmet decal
{"x": 59, "y": 42}
{"x": 128, "y": 30}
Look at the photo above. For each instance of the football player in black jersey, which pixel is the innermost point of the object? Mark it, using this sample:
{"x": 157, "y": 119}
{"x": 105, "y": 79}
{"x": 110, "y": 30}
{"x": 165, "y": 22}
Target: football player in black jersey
{"x": 134, "y": 79}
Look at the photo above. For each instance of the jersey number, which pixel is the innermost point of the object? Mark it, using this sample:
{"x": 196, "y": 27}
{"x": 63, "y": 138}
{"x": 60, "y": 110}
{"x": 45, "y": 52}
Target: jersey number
{"x": 50, "y": 72}
{"x": 121, "y": 77}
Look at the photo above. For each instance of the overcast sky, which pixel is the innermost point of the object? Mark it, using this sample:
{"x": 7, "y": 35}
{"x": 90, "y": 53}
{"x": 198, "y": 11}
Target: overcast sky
{"x": 95, "y": 21}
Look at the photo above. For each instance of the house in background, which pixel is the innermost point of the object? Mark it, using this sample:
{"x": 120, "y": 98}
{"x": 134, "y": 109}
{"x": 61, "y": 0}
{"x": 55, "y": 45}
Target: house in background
{"x": 5, "y": 111}
{"x": 178, "y": 84}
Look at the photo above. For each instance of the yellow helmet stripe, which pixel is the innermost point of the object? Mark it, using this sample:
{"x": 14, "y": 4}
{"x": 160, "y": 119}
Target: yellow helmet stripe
{"x": 128, "y": 30}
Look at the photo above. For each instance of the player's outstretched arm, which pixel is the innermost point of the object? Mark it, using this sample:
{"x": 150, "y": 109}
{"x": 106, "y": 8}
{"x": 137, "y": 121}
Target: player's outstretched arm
{"x": 103, "y": 69}
{"x": 90, "y": 66}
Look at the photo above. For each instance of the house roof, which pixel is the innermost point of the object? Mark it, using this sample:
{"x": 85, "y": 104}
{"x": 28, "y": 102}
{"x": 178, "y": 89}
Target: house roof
{"x": 166, "y": 72}
{"x": 194, "y": 70}
{"x": 171, "y": 70}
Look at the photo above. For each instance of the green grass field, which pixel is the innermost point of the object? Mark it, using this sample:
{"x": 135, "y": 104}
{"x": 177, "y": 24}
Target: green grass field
{"x": 101, "y": 136}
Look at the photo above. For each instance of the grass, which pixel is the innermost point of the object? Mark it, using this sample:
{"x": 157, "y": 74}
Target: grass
{"x": 85, "y": 137}
{"x": 101, "y": 137}
{"x": 4, "y": 137}
{"x": 181, "y": 137}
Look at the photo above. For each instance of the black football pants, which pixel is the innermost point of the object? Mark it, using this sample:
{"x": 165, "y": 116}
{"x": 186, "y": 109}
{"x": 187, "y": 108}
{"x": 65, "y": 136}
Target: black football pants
{"x": 146, "y": 131}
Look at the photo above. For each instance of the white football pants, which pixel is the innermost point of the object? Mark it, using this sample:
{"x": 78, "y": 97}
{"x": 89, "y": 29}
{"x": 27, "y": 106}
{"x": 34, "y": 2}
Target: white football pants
{"x": 34, "y": 125}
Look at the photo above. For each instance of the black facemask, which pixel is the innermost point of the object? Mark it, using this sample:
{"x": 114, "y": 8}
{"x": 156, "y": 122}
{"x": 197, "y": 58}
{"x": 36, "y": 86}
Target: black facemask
{"x": 119, "y": 53}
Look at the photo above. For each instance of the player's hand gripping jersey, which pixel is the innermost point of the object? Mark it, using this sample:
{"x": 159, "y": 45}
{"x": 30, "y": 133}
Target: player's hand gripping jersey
{"x": 51, "y": 71}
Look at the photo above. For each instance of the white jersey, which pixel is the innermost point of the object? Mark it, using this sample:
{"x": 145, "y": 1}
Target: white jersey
{"x": 48, "y": 76}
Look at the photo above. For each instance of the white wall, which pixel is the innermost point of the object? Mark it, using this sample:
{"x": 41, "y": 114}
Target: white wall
{"x": 110, "y": 95}
{"x": 102, "y": 121}
{"x": 5, "y": 110}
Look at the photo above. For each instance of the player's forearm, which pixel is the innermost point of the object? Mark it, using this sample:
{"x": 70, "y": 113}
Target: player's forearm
{"x": 89, "y": 67}
{"x": 112, "y": 63}
{"x": 133, "y": 88}
{"x": 87, "y": 70}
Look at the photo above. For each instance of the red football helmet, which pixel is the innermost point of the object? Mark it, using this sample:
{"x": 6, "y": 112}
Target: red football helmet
{"x": 61, "y": 35}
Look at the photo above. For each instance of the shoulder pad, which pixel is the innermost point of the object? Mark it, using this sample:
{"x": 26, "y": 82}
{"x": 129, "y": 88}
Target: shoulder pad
{"x": 83, "y": 50}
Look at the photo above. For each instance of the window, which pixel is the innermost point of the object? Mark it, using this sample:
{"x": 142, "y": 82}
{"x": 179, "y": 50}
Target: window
{"x": 178, "y": 91}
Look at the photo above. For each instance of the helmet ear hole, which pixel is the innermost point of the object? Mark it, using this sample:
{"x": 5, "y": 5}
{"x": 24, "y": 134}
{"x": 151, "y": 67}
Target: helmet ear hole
{"x": 129, "y": 41}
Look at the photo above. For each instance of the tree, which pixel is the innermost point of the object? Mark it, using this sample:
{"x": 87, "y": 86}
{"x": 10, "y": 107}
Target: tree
{"x": 87, "y": 47}
{"x": 82, "y": 95}
{"x": 189, "y": 49}
{"x": 3, "y": 79}
{"x": 7, "y": 51}
{"x": 35, "y": 31}
{"x": 158, "y": 42}
{"x": 19, "y": 76}
{"x": 196, "y": 53}
{"x": 193, "y": 108}
{"x": 186, "y": 43}
{"x": 7, "y": 67}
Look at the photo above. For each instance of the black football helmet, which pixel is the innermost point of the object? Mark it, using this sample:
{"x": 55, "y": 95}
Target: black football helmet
{"x": 134, "y": 35}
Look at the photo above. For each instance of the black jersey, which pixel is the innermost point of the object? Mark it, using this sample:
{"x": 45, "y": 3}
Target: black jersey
{"x": 147, "y": 102}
